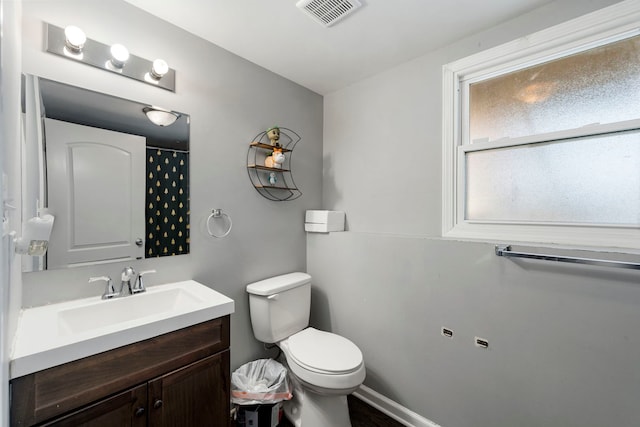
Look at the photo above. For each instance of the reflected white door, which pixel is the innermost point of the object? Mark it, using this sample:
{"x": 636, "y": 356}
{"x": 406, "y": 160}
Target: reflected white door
{"x": 96, "y": 181}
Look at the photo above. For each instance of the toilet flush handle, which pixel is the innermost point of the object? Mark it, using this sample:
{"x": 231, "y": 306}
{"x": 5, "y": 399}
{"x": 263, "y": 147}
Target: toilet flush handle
{"x": 274, "y": 296}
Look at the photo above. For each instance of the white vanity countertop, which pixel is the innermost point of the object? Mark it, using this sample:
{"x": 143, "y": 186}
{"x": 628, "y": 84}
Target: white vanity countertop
{"x": 54, "y": 334}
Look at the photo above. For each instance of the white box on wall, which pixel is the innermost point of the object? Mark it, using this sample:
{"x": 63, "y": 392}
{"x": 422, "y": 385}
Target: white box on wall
{"x": 324, "y": 221}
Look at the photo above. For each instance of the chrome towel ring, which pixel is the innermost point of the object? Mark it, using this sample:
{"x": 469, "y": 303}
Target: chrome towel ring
{"x": 217, "y": 213}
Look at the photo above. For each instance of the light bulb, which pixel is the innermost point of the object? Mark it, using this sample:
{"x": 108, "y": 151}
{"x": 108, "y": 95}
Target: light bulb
{"x": 159, "y": 69}
{"x": 119, "y": 55}
{"x": 75, "y": 38}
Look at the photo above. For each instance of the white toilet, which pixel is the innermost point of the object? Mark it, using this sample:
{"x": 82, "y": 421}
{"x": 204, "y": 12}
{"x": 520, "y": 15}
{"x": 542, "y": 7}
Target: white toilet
{"x": 324, "y": 367}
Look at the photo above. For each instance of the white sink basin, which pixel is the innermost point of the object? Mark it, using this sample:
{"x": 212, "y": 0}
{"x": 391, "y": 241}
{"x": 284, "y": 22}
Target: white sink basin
{"x": 100, "y": 314}
{"x": 59, "y": 333}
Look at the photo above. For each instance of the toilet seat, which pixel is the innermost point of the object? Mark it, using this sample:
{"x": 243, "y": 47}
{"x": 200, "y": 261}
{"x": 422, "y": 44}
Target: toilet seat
{"x": 324, "y": 352}
{"x": 327, "y": 363}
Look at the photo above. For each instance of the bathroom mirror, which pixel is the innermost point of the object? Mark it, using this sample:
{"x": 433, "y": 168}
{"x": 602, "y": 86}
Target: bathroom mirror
{"x": 117, "y": 184}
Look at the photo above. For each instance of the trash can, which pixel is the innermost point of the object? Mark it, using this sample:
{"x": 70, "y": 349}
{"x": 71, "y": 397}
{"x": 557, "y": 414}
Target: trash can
{"x": 268, "y": 415}
{"x": 258, "y": 389}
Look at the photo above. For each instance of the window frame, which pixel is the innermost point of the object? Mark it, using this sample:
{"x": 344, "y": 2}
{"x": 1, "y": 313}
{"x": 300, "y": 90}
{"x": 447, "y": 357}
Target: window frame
{"x": 605, "y": 26}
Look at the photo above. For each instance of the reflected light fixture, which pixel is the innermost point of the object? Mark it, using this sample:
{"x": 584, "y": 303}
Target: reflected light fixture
{"x": 537, "y": 92}
{"x": 119, "y": 55}
{"x": 74, "y": 39}
{"x": 160, "y": 116}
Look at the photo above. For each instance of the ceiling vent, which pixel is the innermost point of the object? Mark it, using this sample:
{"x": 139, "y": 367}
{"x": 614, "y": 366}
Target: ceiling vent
{"x": 328, "y": 12}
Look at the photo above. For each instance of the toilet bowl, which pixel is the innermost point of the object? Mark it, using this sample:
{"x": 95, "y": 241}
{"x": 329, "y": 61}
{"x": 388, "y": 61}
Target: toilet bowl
{"x": 326, "y": 362}
{"x": 323, "y": 367}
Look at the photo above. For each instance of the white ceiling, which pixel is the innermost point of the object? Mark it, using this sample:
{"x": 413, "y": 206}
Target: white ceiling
{"x": 276, "y": 35}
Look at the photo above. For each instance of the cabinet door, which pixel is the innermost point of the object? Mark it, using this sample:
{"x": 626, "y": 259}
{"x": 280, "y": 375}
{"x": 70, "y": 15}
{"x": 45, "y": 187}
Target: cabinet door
{"x": 124, "y": 409}
{"x": 196, "y": 395}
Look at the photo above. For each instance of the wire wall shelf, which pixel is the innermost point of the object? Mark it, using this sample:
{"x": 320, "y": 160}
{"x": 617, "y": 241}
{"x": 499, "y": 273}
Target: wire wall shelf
{"x": 273, "y": 182}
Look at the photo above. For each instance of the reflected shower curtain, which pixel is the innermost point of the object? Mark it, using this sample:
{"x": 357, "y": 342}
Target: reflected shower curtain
{"x": 167, "y": 203}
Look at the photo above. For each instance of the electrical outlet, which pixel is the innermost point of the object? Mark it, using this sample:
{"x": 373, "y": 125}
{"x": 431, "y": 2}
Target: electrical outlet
{"x": 446, "y": 332}
{"x": 481, "y": 342}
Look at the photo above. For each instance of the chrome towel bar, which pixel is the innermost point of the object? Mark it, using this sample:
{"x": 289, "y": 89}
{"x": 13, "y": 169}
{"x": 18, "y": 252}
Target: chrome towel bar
{"x": 505, "y": 250}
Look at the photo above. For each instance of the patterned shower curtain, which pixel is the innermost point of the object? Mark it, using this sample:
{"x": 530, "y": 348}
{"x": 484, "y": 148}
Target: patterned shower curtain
{"x": 167, "y": 203}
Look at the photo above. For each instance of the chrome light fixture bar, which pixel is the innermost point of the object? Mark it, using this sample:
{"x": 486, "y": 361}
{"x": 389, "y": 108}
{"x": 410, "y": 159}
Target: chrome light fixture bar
{"x": 115, "y": 59}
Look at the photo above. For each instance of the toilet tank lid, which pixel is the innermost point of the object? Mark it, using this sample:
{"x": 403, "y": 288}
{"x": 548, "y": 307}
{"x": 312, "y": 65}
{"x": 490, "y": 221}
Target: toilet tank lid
{"x": 277, "y": 284}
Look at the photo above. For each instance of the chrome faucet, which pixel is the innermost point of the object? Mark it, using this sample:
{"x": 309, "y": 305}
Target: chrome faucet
{"x": 133, "y": 285}
{"x": 127, "y": 276}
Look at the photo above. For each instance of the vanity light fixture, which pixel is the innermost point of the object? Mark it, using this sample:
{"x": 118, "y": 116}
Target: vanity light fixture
{"x": 72, "y": 43}
{"x": 119, "y": 55}
{"x": 159, "y": 68}
{"x": 74, "y": 39}
{"x": 160, "y": 116}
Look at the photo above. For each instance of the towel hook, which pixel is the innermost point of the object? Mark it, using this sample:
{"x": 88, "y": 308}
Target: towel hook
{"x": 217, "y": 213}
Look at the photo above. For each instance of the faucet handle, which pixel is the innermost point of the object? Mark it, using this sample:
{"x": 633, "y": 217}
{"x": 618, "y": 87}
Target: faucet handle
{"x": 139, "y": 286}
{"x": 109, "y": 291}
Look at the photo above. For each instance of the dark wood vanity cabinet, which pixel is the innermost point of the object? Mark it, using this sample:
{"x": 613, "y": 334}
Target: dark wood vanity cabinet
{"x": 124, "y": 409}
{"x": 191, "y": 396}
{"x": 178, "y": 379}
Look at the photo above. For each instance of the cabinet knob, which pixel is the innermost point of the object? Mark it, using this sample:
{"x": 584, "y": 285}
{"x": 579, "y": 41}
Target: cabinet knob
{"x": 139, "y": 412}
{"x": 157, "y": 404}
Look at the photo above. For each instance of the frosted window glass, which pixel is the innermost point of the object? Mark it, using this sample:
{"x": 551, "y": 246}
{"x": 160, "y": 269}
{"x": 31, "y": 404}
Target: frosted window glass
{"x": 601, "y": 85}
{"x": 593, "y": 180}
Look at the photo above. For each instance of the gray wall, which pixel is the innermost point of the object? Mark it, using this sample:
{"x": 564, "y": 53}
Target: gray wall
{"x": 564, "y": 341}
{"x": 230, "y": 100}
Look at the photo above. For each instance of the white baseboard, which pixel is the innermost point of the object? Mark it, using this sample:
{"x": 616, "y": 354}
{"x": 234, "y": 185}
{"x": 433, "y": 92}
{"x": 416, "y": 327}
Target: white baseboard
{"x": 392, "y": 409}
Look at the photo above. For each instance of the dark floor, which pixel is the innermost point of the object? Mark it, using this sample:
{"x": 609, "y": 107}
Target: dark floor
{"x": 362, "y": 415}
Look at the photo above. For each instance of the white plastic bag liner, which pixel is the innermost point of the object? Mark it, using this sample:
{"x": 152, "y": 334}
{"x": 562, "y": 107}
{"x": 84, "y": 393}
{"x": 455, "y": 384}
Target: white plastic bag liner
{"x": 259, "y": 382}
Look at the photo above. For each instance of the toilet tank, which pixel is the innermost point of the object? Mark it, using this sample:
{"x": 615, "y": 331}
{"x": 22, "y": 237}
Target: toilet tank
{"x": 280, "y": 306}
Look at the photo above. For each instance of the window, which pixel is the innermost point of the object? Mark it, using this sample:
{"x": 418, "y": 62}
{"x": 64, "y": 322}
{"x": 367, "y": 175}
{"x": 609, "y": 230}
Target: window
{"x": 542, "y": 136}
